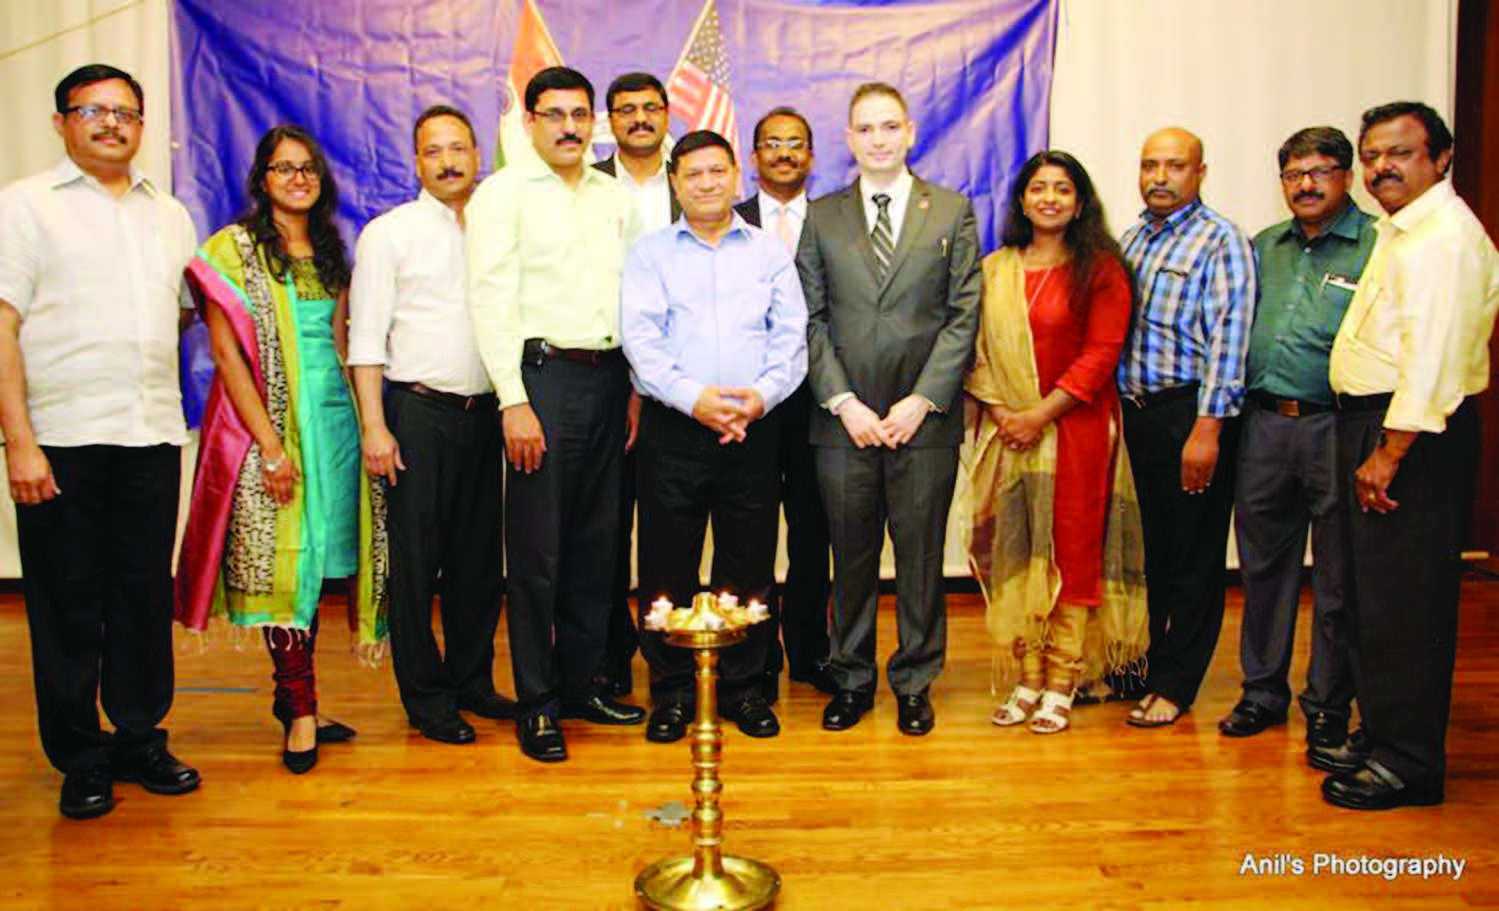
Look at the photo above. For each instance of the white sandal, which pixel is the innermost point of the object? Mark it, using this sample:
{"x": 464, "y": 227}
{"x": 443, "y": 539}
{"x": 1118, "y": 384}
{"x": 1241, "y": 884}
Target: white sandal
{"x": 1017, "y": 708}
{"x": 1053, "y": 717}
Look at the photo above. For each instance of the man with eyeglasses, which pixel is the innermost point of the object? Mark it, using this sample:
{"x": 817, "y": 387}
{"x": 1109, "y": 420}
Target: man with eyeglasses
{"x": 799, "y": 607}
{"x": 546, "y": 244}
{"x": 1181, "y": 379}
{"x": 715, "y": 328}
{"x": 1408, "y": 361}
{"x": 428, "y": 412}
{"x": 91, "y": 303}
{"x": 1287, "y": 472}
{"x": 637, "y": 117}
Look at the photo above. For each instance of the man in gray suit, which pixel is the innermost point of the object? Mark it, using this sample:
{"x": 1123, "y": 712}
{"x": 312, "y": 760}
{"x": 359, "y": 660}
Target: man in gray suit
{"x": 889, "y": 266}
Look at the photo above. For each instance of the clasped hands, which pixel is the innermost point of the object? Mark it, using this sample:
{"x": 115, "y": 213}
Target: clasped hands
{"x": 1018, "y": 430}
{"x": 895, "y": 429}
{"x": 728, "y": 411}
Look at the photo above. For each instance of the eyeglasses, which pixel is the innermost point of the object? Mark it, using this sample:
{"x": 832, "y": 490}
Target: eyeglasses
{"x": 1318, "y": 174}
{"x": 557, "y": 116}
{"x": 629, "y": 110}
{"x": 286, "y": 170}
{"x": 776, "y": 145}
{"x": 94, "y": 112}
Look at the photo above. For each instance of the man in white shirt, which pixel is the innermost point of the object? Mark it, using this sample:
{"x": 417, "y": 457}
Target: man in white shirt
{"x": 638, "y": 113}
{"x": 546, "y": 245}
{"x": 799, "y": 606}
{"x": 91, "y": 262}
{"x": 429, "y": 429}
{"x": 1409, "y": 358}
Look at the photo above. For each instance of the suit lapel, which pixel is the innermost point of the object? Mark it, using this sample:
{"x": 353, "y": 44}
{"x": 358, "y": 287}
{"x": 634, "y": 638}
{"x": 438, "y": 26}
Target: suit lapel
{"x": 853, "y": 216}
{"x": 918, "y": 207}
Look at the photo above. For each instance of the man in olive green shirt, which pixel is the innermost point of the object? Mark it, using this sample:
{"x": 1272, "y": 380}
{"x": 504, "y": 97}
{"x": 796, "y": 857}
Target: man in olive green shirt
{"x": 1308, "y": 268}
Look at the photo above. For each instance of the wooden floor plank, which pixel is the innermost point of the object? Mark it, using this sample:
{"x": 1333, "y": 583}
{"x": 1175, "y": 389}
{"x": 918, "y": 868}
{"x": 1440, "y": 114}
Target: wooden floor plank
{"x": 970, "y": 817}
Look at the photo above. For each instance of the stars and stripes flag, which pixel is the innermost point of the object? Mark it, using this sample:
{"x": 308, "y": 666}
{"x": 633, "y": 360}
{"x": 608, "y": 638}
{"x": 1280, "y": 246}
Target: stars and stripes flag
{"x": 698, "y": 89}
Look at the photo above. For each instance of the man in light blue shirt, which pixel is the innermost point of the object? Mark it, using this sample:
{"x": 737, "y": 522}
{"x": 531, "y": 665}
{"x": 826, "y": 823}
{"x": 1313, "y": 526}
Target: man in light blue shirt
{"x": 715, "y": 329}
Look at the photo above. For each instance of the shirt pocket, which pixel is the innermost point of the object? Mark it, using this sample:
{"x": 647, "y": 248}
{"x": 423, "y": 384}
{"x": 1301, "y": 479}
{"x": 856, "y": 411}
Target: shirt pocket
{"x": 1376, "y": 328}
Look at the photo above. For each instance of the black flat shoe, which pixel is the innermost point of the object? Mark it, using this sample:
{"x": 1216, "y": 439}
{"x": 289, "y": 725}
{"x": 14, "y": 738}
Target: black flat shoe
{"x": 86, "y": 794}
{"x": 603, "y": 710}
{"x": 914, "y": 714}
{"x": 1249, "y": 718}
{"x": 158, "y": 771}
{"x": 668, "y": 723}
{"x": 335, "y": 732}
{"x": 540, "y": 738}
{"x": 818, "y": 676}
{"x": 1348, "y": 756}
{"x": 754, "y": 717}
{"x": 299, "y": 762}
{"x": 493, "y": 706}
{"x": 445, "y": 729}
{"x": 845, "y": 710}
{"x": 1374, "y": 787}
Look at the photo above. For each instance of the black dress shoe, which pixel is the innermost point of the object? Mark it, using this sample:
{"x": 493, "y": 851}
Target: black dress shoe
{"x": 540, "y": 738}
{"x": 845, "y": 710}
{"x": 1325, "y": 730}
{"x": 335, "y": 732}
{"x": 445, "y": 729}
{"x": 493, "y": 706}
{"x": 913, "y": 714}
{"x": 602, "y": 710}
{"x": 1249, "y": 718}
{"x": 819, "y": 676}
{"x": 754, "y": 717}
{"x": 1348, "y": 756}
{"x": 770, "y": 687}
{"x": 1374, "y": 787}
{"x": 86, "y": 794}
{"x": 668, "y": 722}
{"x": 158, "y": 771}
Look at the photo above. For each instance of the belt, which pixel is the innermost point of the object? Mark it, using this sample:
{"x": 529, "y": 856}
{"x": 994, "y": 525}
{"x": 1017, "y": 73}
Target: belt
{"x": 538, "y": 351}
{"x": 1287, "y": 408}
{"x": 1161, "y": 396}
{"x": 462, "y": 402}
{"x": 1379, "y": 401}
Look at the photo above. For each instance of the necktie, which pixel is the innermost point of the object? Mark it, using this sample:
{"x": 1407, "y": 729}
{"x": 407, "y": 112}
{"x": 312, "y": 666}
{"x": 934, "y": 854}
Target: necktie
{"x": 882, "y": 238}
{"x": 783, "y": 229}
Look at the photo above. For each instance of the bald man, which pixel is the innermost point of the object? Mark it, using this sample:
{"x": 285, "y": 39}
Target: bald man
{"x": 1182, "y": 383}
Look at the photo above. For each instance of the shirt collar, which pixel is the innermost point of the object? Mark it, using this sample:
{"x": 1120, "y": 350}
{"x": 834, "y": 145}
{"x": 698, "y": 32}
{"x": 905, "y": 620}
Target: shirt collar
{"x": 737, "y": 225}
{"x": 622, "y": 174}
{"x": 533, "y": 168}
{"x": 1157, "y": 225}
{"x": 1346, "y": 226}
{"x": 1423, "y": 206}
{"x": 898, "y": 190}
{"x": 769, "y": 205}
{"x": 427, "y": 199}
{"x": 67, "y": 171}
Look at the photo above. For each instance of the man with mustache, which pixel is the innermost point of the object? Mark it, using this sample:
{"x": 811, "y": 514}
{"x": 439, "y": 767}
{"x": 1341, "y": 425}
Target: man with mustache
{"x": 1287, "y": 472}
{"x": 546, "y": 243}
{"x": 637, "y": 117}
{"x": 1181, "y": 380}
{"x": 1409, "y": 359}
{"x": 92, "y": 255}
{"x": 427, "y": 407}
{"x": 799, "y": 606}
{"x": 715, "y": 328}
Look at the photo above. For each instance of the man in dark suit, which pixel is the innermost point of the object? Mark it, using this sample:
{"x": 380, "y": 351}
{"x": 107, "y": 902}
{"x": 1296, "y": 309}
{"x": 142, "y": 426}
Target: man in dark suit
{"x": 783, "y": 159}
{"x": 637, "y": 118}
{"x": 889, "y": 267}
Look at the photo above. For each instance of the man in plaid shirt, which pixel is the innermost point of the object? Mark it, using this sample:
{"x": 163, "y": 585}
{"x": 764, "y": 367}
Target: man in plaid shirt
{"x": 1182, "y": 382}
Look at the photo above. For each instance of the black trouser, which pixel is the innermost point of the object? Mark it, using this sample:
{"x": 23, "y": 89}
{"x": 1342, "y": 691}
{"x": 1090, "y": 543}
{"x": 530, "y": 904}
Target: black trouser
{"x": 562, "y": 529}
{"x": 1287, "y": 479}
{"x": 623, "y": 640}
{"x": 96, "y": 562}
{"x": 446, "y": 539}
{"x": 911, "y": 489}
{"x": 799, "y": 606}
{"x": 1405, "y": 576}
{"x": 686, "y": 478}
{"x": 1186, "y": 542}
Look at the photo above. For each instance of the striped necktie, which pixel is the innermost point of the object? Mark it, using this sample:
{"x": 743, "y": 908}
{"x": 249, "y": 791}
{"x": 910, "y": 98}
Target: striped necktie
{"x": 882, "y": 238}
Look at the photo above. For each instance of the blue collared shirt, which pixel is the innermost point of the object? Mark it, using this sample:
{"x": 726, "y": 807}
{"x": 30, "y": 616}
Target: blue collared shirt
{"x": 694, "y": 315}
{"x": 1194, "y": 271}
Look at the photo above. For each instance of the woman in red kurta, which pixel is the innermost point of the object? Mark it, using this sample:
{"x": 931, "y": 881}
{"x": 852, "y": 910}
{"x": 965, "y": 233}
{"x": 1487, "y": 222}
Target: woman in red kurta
{"x": 1056, "y": 309}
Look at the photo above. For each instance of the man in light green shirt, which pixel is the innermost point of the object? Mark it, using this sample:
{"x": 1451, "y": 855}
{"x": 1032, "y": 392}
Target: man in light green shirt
{"x": 546, "y": 245}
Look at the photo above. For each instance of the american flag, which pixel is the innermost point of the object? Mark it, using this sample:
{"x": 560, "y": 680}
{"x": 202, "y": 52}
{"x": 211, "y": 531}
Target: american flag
{"x": 698, "y": 89}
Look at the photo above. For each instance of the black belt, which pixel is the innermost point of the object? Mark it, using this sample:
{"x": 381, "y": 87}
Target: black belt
{"x": 1379, "y": 401}
{"x": 1287, "y": 408}
{"x": 538, "y": 351}
{"x": 1161, "y": 396}
{"x": 464, "y": 402}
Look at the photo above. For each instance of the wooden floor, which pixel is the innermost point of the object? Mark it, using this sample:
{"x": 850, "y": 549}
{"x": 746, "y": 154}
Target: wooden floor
{"x": 972, "y": 816}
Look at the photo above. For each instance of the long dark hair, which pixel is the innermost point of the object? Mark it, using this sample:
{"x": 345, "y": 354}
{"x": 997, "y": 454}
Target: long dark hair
{"x": 1087, "y": 235}
{"x": 329, "y": 255}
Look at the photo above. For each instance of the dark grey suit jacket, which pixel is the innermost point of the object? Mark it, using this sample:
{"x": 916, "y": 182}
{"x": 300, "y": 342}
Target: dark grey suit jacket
{"x": 607, "y": 166}
{"x": 912, "y": 333}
